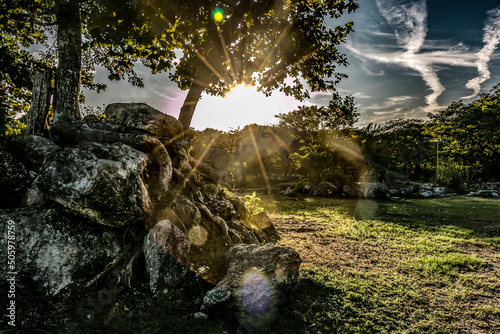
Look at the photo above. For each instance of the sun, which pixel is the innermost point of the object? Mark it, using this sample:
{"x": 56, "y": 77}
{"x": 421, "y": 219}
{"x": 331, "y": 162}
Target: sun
{"x": 242, "y": 105}
{"x": 242, "y": 93}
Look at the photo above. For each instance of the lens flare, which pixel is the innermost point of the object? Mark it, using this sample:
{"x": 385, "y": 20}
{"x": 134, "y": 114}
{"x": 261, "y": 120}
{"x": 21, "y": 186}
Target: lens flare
{"x": 218, "y": 15}
{"x": 197, "y": 235}
{"x": 256, "y": 294}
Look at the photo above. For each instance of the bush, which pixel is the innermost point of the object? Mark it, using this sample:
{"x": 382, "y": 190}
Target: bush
{"x": 454, "y": 176}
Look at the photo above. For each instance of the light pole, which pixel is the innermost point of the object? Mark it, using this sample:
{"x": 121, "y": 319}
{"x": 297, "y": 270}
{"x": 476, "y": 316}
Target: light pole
{"x": 437, "y": 159}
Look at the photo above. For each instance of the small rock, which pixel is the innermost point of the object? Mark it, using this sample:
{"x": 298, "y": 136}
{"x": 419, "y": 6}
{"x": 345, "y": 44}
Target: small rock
{"x": 200, "y": 316}
{"x": 376, "y": 191}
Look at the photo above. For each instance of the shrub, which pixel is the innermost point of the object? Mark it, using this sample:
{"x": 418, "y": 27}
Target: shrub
{"x": 454, "y": 176}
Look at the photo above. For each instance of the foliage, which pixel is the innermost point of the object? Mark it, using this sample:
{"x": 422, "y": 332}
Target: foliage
{"x": 320, "y": 140}
{"x": 398, "y": 148}
{"x": 212, "y": 138}
{"x": 19, "y": 29}
{"x": 252, "y": 204}
{"x": 454, "y": 176}
{"x": 258, "y": 43}
{"x": 469, "y": 133}
{"x": 268, "y": 44}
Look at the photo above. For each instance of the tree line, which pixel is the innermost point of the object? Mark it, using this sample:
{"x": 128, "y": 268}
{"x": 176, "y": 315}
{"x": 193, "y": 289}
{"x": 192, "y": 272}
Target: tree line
{"x": 460, "y": 144}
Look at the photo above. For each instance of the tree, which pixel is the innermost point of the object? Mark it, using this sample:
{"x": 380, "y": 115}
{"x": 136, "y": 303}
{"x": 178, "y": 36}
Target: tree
{"x": 282, "y": 44}
{"x": 69, "y": 47}
{"x": 271, "y": 44}
{"x": 469, "y": 133}
{"x": 399, "y": 148}
{"x": 285, "y": 45}
{"x": 320, "y": 141}
{"x": 19, "y": 29}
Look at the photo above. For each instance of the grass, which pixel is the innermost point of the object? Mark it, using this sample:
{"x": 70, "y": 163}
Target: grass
{"x": 409, "y": 266}
{"x": 414, "y": 266}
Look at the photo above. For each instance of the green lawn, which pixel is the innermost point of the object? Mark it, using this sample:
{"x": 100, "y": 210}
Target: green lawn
{"x": 412, "y": 266}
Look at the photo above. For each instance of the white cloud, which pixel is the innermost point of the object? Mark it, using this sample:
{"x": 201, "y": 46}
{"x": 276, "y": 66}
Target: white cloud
{"x": 409, "y": 20}
{"x": 491, "y": 39}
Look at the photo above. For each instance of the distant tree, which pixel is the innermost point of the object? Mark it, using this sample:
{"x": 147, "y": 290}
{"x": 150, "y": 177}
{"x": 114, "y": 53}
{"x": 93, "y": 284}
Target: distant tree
{"x": 469, "y": 133}
{"x": 400, "y": 148}
{"x": 320, "y": 141}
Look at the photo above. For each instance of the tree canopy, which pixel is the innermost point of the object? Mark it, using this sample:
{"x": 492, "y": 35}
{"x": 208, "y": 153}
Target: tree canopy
{"x": 285, "y": 45}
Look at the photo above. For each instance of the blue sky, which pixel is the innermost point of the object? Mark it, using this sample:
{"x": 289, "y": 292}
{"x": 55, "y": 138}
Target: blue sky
{"x": 411, "y": 57}
{"x": 407, "y": 58}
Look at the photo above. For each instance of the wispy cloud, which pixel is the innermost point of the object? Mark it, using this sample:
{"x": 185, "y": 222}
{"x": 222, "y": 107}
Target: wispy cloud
{"x": 491, "y": 39}
{"x": 394, "y": 108}
{"x": 408, "y": 18}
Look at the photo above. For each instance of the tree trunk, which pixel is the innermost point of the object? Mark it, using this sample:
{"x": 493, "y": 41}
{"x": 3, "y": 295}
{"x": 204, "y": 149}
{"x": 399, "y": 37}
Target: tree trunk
{"x": 40, "y": 103}
{"x": 189, "y": 105}
{"x": 69, "y": 44}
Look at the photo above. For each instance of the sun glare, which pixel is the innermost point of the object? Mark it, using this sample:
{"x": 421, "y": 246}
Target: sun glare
{"x": 242, "y": 93}
{"x": 241, "y": 106}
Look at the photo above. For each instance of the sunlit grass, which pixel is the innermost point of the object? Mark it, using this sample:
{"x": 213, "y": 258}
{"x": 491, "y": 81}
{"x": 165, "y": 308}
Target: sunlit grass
{"x": 403, "y": 266}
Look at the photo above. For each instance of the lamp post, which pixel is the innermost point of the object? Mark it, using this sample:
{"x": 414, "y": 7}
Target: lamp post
{"x": 437, "y": 159}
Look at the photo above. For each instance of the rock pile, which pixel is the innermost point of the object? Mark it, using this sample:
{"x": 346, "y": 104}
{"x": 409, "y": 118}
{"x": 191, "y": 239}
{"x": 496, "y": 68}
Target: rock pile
{"x": 96, "y": 182}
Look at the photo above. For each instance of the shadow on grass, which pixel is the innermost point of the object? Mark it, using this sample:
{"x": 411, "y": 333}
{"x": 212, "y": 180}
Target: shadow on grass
{"x": 324, "y": 304}
{"x": 459, "y": 216}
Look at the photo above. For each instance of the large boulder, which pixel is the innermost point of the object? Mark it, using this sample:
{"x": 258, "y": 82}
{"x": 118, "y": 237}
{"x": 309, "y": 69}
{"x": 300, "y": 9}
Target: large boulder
{"x": 100, "y": 182}
{"x": 55, "y": 251}
{"x": 169, "y": 266}
{"x": 38, "y": 150}
{"x": 257, "y": 279}
{"x": 376, "y": 191}
{"x": 144, "y": 117}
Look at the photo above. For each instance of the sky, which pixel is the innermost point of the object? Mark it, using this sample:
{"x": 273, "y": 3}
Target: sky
{"x": 407, "y": 58}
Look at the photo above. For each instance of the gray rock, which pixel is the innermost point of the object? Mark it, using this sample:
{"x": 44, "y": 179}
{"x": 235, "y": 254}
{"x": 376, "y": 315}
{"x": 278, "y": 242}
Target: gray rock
{"x": 39, "y": 150}
{"x": 144, "y": 117}
{"x": 265, "y": 224}
{"x": 410, "y": 189}
{"x": 258, "y": 277}
{"x": 200, "y": 316}
{"x": 288, "y": 192}
{"x": 100, "y": 182}
{"x": 179, "y": 264}
{"x": 376, "y": 191}
{"x": 353, "y": 190}
{"x": 166, "y": 250}
{"x": 323, "y": 189}
{"x": 426, "y": 194}
{"x": 34, "y": 198}
{"x": 216, "y": 297}
{"x": 439, "y": 191}
{"x": 55, "y": 251}
{"x": 485, "y": 194}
